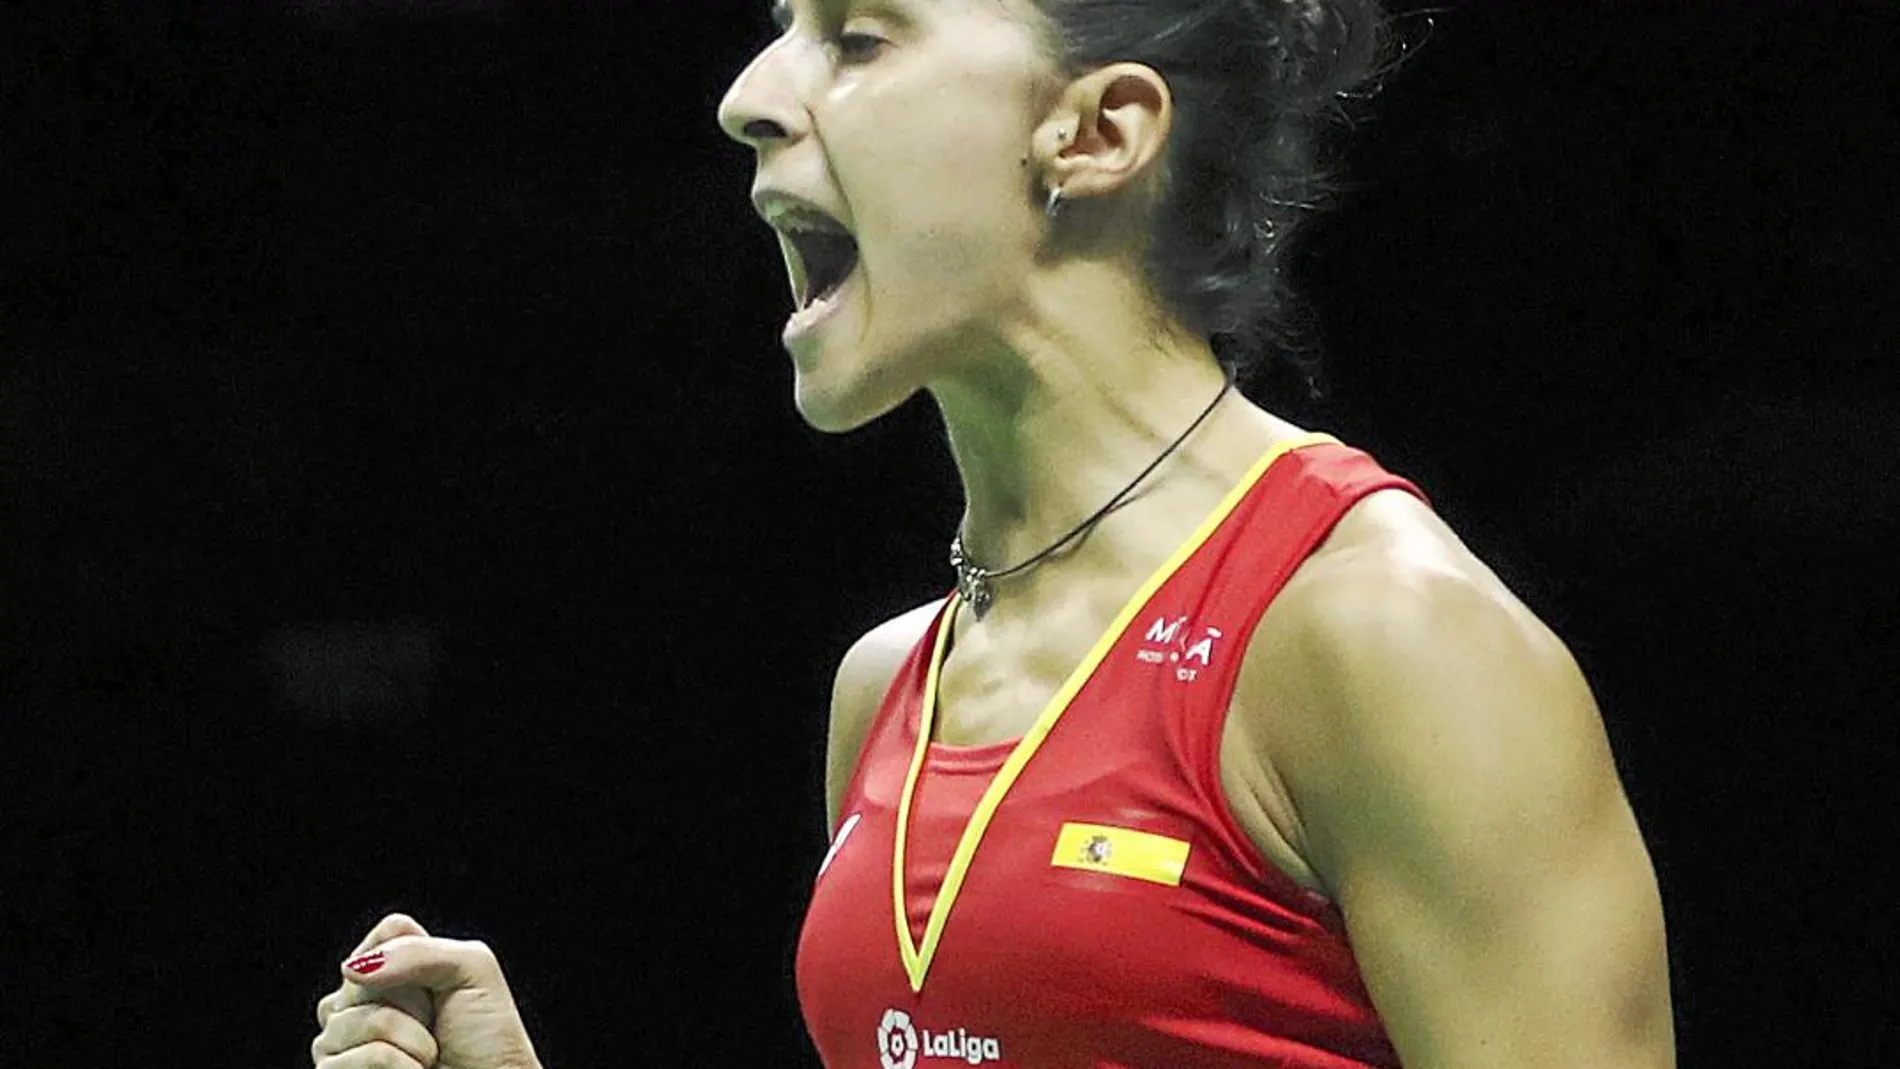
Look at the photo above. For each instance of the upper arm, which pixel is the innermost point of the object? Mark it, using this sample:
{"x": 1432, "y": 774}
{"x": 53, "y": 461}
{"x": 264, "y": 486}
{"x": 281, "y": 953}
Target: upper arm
{"x": 1457, "y": 794}
{"x": 864, "y": 674}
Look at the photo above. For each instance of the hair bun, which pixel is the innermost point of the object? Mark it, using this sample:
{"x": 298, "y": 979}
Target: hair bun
{"x": 1325, "y": 48}
{"x": 1260, "y": 86}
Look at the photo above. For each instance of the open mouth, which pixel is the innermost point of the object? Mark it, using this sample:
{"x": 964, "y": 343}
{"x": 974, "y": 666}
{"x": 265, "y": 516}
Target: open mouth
{"x": 821, "y": 255}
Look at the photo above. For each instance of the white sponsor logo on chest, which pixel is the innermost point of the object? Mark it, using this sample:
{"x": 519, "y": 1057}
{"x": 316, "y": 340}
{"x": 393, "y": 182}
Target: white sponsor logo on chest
{"x": 901, "y": 1044}
{"x": 1174, "y": 640}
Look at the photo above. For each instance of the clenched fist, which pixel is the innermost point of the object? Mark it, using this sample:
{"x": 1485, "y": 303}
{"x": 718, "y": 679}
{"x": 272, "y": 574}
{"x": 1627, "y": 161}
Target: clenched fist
{"x": 410, "y": 1000}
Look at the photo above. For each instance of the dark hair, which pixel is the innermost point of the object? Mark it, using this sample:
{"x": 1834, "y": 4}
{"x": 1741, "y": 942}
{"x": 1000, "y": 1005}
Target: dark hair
{"x": 1258, "y": 86}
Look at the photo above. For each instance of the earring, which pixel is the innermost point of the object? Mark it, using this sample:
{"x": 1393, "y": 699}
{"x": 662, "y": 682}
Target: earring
{"x": 1055, "y": 192}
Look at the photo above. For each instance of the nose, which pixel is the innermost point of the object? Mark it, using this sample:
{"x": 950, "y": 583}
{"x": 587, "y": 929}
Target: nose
{"x": 759, "y": 108}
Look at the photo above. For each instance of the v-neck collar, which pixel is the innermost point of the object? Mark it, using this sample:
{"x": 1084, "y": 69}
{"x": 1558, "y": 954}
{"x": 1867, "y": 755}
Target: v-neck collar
{"x": 917, "y": 958}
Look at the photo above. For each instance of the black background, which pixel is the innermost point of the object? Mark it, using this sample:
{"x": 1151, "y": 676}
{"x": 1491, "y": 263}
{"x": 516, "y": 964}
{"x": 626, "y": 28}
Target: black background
{"x": 404, "y": 507}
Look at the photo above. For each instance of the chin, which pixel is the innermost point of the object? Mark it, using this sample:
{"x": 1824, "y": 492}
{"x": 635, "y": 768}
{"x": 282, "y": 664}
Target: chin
{"x": 833, "y": 407}
{"x": 831, "y": 414}
{"x": 831, "y": 419}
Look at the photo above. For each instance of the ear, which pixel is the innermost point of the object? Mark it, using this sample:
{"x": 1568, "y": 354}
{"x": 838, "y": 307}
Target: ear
{"x": 1108, "y": 128}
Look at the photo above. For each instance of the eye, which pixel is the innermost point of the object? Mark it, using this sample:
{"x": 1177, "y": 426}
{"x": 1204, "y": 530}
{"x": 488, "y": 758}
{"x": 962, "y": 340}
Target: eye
{"x": 857, "y": 47}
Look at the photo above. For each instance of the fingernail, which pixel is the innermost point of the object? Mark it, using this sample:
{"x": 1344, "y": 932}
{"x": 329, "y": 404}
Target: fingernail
{"x": 366, "y": 964}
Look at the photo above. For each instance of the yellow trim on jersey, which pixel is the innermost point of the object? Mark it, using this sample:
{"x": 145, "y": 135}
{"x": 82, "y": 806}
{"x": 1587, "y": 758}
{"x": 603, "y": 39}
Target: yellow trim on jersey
{"x": 917, "y": 959}
{"x": 1139, "y": 855}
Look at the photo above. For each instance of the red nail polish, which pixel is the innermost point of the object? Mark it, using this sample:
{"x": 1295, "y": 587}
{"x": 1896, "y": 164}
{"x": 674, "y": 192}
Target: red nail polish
{"x": 366, "y": 964}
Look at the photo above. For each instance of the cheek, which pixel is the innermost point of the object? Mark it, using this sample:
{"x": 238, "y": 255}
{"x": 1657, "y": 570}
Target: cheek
{"x": 956, "y": 220}
{"x": 937, "y": 182}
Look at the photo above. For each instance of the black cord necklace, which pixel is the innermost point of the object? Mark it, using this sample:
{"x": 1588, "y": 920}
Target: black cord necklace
{"x": 973, "y": 580}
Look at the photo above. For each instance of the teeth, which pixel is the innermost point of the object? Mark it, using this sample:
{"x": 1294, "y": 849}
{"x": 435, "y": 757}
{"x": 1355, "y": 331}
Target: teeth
{"x": 804, "y": 222}
{"x": 800, "y": 230}
{"x": 816, "y": 257}
{"x": 808, "y": 314}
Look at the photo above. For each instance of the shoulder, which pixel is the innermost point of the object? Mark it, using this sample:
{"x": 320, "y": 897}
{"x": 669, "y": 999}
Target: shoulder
{"x": 1389, "y": 567}
{"x": 863, "y": 676}
{"x": 1456, "y": 795}
{"x": 866, "y": 670}
{"x": 1395, "y": 660}
{"x": 1393, "y": 579}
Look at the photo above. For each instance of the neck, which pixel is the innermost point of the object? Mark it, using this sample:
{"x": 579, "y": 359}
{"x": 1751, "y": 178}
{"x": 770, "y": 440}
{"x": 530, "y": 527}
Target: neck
{"x": 1040, "y": 450}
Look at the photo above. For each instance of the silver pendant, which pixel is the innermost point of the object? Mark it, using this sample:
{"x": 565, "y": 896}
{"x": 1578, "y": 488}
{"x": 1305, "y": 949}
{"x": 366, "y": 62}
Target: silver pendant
{"x": 973, "y": 583}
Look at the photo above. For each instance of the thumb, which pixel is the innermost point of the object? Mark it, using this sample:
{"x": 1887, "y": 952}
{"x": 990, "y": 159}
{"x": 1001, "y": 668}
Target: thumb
{"x": 429, "y": 962}
{"x": 388, "y": 928}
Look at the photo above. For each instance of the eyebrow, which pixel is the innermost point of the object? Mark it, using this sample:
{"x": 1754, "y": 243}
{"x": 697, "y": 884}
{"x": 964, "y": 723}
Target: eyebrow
{"x": 781, "y": 12}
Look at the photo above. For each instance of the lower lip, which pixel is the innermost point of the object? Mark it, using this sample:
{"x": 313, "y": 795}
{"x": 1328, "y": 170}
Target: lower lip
{"x": 806, "y": 321}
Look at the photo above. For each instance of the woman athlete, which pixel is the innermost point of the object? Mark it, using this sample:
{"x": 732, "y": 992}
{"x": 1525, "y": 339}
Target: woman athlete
{"x": 1226, "y": 751}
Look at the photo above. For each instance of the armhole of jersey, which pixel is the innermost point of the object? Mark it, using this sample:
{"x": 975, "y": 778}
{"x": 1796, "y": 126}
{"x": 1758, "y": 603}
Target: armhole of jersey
{"x": 890, "y": 704}
{"x": 1252, "y": 859}
{"x": 1361, "y": 478}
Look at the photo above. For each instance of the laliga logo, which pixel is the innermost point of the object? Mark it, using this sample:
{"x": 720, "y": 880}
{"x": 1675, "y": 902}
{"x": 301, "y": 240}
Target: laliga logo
{"x": 897, "y": 1041}
{"x": 898, "y": 1045}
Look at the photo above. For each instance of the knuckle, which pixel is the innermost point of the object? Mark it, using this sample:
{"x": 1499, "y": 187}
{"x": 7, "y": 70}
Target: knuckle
{"x": 374, "y": 1055}
{"x": 392, "y": 925}
{"x": 422, "y": 1044}
{"x": 473, "y": 955}
{"x": 388, "y": 1056}
{"x": 328, "y": 1041}
{"x": 334, "y": 1039}
{"x": 394, "y": 1026}
{"x": 336, "y": 1001}
{"x": 346, "y": 1029}
{"x": 403, "y": 924}
{"x": 482, "y": 960}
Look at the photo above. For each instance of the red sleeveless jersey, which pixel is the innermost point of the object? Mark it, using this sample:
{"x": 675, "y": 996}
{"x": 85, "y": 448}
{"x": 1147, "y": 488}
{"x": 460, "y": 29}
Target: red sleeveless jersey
{"x": 1083, "y": 897}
